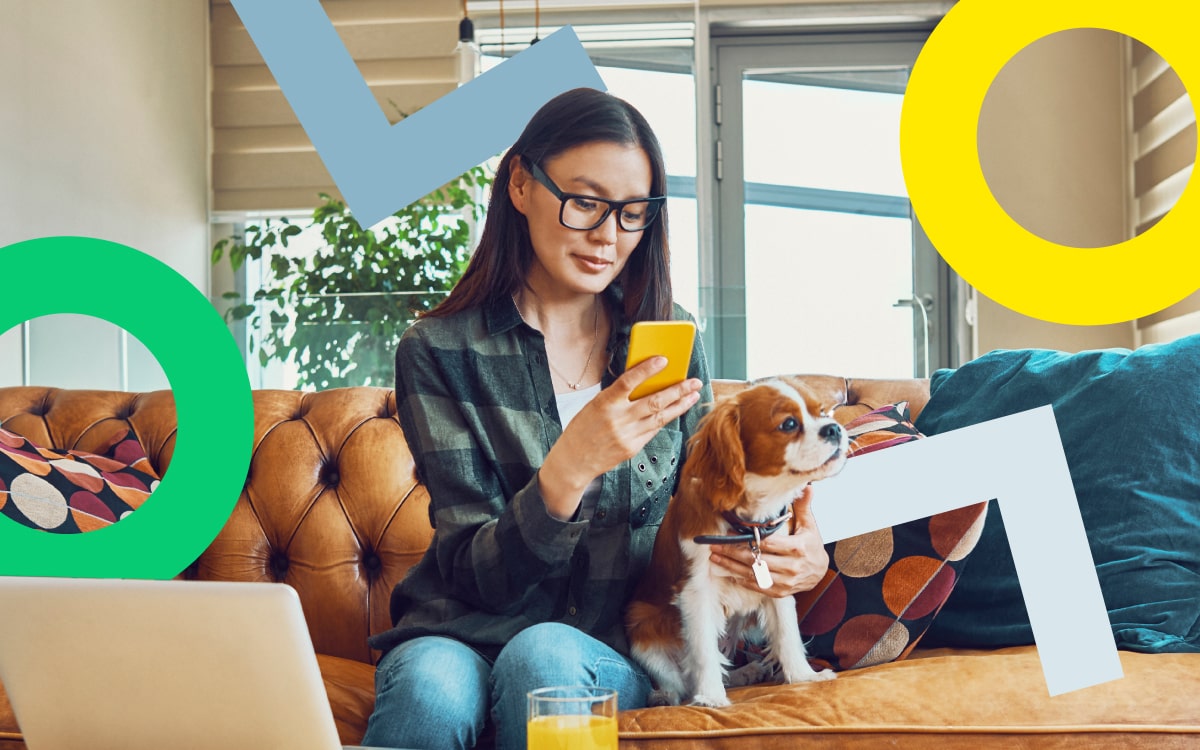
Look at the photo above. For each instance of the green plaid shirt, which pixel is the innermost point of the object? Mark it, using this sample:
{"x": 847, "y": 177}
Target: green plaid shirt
{"x": 477, "y": 407}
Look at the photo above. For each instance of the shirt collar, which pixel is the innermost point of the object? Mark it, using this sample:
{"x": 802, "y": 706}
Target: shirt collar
{"x": 502, "y": 316}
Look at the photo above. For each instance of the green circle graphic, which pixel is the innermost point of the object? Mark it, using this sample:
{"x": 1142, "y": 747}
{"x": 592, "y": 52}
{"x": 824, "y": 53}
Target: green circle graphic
{"x": 213, "y": 405}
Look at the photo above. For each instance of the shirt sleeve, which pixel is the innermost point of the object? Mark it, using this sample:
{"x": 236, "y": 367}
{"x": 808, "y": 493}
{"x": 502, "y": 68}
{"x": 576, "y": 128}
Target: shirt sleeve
{"x": 697, "y": 368}
{"x": 492, "y": 551}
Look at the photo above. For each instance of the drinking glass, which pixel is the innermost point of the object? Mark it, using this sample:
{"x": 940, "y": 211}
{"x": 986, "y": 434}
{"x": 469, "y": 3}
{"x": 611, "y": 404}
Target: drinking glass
{"x": 572, "y": 718}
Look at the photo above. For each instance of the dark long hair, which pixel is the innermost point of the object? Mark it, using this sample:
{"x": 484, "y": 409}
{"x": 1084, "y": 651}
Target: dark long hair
{"x": 502, "y": 259}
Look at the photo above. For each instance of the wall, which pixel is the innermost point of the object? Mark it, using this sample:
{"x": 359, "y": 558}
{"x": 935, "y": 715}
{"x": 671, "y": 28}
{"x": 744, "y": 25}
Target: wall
{"x": 103, "y": 132}
{"x": 1053, "y": 145}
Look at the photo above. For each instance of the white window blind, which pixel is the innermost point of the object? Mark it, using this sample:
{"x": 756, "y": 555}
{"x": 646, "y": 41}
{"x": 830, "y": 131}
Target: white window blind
{"x": 1164, "y": 150}
{"x": 262, "y": 159}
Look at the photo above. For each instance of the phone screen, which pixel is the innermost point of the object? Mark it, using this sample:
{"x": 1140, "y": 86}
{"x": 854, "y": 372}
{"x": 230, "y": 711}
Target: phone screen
{"x": 670, "y": 338}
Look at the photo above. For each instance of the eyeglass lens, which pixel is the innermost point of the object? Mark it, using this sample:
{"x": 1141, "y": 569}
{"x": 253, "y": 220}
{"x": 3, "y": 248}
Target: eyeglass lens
{"x": 584, "y": 213}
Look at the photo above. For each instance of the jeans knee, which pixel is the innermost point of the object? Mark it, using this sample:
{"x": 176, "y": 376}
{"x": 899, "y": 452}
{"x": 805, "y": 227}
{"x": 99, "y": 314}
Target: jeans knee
{"x": 429, "y": 692}
{"x": 550, "y": 654}
{"x": 548, "y": 651}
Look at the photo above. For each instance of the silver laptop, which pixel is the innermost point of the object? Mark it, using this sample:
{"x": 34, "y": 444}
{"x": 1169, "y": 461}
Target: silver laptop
{"x": 140, "y": 665}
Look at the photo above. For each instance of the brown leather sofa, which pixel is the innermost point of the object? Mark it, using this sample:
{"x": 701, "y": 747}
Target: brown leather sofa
{"x": 331, "y": 507}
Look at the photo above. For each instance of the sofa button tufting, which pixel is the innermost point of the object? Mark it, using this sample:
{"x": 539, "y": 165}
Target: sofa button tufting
{"x": 330, "y": 476}
{"x": 278, "y": 563}
{"x": 372, "y": 563}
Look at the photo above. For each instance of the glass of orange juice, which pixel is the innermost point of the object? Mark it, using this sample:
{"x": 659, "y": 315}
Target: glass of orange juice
{"x": 572, "y": 718}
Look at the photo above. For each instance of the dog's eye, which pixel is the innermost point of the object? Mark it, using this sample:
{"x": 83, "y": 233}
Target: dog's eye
{"x": 791, "y": 424}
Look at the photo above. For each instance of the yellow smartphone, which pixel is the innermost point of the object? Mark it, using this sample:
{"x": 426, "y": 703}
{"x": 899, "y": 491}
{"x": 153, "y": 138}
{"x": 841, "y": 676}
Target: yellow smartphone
{"x": 670, "y": 338}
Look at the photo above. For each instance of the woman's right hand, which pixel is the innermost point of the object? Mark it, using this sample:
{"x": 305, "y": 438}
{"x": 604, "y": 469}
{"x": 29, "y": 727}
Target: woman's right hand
{"x": 609, "y": 430}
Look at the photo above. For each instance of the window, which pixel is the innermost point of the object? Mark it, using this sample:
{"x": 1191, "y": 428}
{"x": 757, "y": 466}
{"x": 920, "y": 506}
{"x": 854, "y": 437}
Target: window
{"x": 800, "y": 254}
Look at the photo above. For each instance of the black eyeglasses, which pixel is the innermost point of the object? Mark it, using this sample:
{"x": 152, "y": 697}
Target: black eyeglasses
{"x": 585, "y": 212}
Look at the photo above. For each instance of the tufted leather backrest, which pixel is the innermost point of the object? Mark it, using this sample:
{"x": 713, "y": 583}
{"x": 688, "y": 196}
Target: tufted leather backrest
{"x": 331, "y": 504}
{"x": 88, "y": 420}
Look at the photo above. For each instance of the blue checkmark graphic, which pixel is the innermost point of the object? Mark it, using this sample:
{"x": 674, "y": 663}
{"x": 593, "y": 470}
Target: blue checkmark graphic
{"x": 380, "y": 167}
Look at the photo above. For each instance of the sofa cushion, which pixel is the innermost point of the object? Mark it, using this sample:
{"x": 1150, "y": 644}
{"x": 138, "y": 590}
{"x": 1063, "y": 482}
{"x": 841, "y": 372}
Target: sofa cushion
{"x": 69, "y": 492}
{"x": 944, "y": 700}
{"x": 1126, "y": 419}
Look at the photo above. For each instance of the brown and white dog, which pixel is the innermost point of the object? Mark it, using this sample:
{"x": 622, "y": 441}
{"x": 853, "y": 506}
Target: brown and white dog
{"x": 750, "y": 458}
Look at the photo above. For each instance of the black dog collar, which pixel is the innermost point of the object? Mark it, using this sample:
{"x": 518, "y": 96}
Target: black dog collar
{"x": 747, "y": 531}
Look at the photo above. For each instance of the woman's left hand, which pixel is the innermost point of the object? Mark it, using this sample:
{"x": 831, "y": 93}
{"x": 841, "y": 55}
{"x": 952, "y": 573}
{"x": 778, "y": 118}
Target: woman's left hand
{"x": 797, "y": 561}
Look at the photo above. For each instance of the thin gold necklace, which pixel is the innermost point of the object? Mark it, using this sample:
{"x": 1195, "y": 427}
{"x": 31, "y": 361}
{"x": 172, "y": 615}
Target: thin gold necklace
{"x": 595, "y": 339}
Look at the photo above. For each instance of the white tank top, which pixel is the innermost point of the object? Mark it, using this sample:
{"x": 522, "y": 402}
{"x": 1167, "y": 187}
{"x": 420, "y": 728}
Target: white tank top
{"x": 570, "y": 404}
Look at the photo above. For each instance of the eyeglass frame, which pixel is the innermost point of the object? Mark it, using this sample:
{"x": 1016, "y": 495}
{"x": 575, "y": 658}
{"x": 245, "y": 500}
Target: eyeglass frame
{"x": 544, "y": 180}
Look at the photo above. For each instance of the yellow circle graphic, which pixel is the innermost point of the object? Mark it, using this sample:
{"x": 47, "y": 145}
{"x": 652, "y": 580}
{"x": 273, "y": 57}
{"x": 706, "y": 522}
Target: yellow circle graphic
{"x": 940, "y": 159}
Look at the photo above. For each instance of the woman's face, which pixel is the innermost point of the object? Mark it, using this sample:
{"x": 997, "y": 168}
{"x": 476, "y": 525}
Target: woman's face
{"x": 571, "y": 261}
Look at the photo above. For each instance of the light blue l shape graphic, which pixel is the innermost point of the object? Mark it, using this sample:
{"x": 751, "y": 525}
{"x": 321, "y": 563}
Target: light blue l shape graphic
{"x": 380, "y": 167}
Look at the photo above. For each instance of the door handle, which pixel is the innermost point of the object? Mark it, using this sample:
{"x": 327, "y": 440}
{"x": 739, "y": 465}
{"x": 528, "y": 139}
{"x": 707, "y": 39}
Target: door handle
{"x": 923, "y": 303}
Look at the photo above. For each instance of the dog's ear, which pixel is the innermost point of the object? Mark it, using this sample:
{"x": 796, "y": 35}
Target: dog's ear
{"x": 717, "y": 458}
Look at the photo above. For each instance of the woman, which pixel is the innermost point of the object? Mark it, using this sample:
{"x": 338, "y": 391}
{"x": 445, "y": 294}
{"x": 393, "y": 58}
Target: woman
{"x": 546, "y": 483}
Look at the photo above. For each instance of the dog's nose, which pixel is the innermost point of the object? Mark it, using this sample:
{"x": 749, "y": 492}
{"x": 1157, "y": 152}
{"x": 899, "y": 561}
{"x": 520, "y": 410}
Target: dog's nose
{"x": 831, "y": 432}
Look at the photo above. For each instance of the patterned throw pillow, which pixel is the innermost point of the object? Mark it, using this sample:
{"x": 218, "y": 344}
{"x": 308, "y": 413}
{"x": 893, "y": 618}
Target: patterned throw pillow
{"x": 69, "y": 492}
{"x": 124, "y": 447}
{"x": 883, "y": 589}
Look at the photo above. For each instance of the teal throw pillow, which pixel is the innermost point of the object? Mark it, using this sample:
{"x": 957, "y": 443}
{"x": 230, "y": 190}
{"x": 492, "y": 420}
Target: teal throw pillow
{"x": 1132, "y": 442}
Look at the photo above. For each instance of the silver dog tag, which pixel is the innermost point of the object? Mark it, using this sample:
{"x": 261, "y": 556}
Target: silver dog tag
{"x": 762, "y": 574}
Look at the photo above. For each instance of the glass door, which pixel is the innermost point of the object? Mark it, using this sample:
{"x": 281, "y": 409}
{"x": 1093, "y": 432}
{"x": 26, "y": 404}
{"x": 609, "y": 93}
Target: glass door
{"x": 821, "y": 265}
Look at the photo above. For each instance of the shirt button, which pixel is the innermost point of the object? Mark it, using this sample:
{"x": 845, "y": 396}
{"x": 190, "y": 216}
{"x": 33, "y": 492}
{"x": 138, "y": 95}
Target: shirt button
{"x": 649, "y": 484}
{"x": 601, "y": 513}
{"x": 672, "y": 460}
{"x": 641, "y": 467}
{"x": 643, "y": 511}
{"x": 572, "y": 611}
{"x": 654, "y": 459}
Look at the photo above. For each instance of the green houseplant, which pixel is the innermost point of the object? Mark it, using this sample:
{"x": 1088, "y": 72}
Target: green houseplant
{"x": 338, "y": 314}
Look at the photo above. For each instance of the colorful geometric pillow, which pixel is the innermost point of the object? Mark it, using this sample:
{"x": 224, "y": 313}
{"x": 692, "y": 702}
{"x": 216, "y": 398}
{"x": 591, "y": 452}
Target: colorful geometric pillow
{"x": 69, "y": 492}
{"x": 883, "y": 589}
{"x": 124, "y": 447}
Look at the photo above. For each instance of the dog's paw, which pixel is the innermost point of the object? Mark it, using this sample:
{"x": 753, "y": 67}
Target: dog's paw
{"x": 660, "y": 697}
{"x": 711, "y": 701}
{"x": 821, "y": 676}
{"x": 751, "y": 673}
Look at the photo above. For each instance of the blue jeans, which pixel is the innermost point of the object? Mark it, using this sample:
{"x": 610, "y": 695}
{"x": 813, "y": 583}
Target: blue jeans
{"x": 434, "y": 692}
